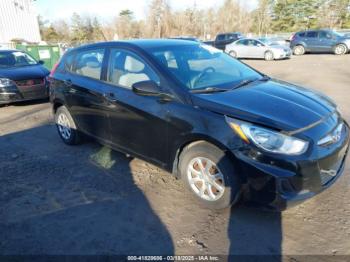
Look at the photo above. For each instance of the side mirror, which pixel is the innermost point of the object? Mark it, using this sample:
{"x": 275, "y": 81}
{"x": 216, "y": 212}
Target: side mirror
{"x": 146, "y": 88}
{"x": 41, "y": 62}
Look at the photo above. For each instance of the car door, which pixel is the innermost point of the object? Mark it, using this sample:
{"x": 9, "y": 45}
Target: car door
{"x": 241, "y": 48}
{"x": 312, "y": 41}
{"x": 326, "y": 41}
{"x": 138, "y": 124}
{"x": 220, "y": 42}
{"x": 251, "y": 49}
{"x": 85, "y": 93}
{"x": 257, "y": 49}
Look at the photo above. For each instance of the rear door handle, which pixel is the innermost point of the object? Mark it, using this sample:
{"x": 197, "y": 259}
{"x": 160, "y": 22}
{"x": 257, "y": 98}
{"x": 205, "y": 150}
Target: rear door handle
{"x": 110, "y": 97}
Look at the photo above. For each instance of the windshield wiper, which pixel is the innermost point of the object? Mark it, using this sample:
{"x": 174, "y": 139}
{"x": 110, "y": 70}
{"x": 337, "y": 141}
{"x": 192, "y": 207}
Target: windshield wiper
{"x": 208, "y": 90}
{"x": 249, "y": 81}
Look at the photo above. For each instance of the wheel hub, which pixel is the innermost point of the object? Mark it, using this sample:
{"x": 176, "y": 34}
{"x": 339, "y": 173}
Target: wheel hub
{"x": 205, "y": 179}
{"x": 64, "y": 126}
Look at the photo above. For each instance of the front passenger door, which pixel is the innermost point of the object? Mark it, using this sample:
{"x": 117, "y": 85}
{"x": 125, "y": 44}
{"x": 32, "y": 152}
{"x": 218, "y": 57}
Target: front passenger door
{"x": 138, "y": 124}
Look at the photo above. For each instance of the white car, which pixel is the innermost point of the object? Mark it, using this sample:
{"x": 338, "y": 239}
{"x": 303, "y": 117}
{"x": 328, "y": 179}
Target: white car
{"x": 253, "y": 48}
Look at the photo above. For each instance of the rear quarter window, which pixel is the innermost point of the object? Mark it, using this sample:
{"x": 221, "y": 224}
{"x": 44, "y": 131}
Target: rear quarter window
{"x": 312, "y": 34}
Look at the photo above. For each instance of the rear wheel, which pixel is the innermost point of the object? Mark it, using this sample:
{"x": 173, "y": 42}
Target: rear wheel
{"x": 66, "y": 127}
{"x": 210, "y": 175}
{"x": 340, "y": 49}
{"x": 268, "y": 56}
{"x": 298, "y": 50}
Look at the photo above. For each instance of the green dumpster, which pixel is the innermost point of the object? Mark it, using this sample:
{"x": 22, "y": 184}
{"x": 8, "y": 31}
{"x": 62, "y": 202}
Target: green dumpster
{"x": 50, "y": 54}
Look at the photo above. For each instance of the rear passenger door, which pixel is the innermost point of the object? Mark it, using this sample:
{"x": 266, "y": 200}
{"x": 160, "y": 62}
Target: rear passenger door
{"x": 138, "y": 123}
{"x": 85, "y": 93}
{"x": 312, "y": 41}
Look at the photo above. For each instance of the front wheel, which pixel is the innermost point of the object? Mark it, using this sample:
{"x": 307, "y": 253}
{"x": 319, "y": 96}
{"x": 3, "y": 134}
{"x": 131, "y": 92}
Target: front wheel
{"x": 66, "y": 127}
{"x": 340, "y": 49}
{"x": 210, "y": 175}
{"x": 233, "y": 54}
{"x": 269, "y": 56}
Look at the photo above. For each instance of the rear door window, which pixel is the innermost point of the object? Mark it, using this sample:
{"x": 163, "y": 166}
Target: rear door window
{"x": 301, "y": 34}
{"x": 312, "y": 34}
{"x": 89, "y": 63}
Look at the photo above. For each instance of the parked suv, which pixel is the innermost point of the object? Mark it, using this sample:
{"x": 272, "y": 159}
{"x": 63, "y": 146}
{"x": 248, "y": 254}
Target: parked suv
{"x": 316, "y": 41}
{"x": 224, "y": 128}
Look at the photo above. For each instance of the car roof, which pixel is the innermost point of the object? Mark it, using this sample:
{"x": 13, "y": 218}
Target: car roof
{"x": 141, "y": 43}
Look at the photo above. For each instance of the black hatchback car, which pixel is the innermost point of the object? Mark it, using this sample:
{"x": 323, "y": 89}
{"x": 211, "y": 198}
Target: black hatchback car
{"x": 21, "y": 77}
{"x": 227, "y": 130}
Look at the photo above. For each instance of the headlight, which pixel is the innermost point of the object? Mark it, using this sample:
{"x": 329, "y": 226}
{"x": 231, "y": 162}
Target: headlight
{"x": 4, "y": 82}
{"x": 268, "y": 140}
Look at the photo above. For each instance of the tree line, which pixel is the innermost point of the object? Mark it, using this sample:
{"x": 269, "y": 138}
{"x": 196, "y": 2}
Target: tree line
{"x": 270, "y": 16}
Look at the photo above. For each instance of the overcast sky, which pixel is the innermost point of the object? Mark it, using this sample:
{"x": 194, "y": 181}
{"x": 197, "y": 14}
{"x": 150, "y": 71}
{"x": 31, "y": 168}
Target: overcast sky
{"x": 106, "y": 9}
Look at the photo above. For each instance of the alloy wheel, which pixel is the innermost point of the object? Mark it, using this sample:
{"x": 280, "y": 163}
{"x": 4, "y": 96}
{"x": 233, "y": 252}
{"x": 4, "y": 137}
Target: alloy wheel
{"x": 268, "y": 56}
{"x": 64, "y": 126}
{"x": 205, "y": 179}
{"x": 340, "y": 50}
{"x": 299, "y": 50}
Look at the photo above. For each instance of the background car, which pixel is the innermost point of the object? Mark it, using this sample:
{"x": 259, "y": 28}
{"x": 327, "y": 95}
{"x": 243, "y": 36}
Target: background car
{"x": 222, "y": 40}
{"x": 253, "y": 48}
{"x": 318, "y": 41}
{"x": 21, "y": 77}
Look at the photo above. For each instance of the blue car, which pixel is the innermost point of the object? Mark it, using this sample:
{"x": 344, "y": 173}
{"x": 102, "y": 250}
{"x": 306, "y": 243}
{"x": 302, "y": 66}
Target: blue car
{"x": 320, "y": 41}
{"x": 22, "y": 78}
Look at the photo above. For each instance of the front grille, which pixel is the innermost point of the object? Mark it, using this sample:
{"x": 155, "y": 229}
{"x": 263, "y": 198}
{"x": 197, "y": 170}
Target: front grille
{"x": 326, "y": 178}
{"x": 30, "y": 82}
{"x": 328, "y": 172}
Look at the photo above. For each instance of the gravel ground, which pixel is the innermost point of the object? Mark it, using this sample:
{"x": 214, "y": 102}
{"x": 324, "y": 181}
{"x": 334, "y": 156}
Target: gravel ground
{"x": 56, "y": 199}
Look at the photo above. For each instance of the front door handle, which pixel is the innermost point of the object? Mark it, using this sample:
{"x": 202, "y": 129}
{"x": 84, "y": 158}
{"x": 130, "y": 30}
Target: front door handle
{"x": 110, "y": 97}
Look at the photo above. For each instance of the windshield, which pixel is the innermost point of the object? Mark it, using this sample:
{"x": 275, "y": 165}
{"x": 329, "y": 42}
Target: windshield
{"x": 16, "y": 59}
{"x": 202, "y": 66}
{"x": 336, "y": 33}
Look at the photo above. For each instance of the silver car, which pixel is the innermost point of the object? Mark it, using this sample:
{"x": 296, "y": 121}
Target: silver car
{"x": 253, "y": 48}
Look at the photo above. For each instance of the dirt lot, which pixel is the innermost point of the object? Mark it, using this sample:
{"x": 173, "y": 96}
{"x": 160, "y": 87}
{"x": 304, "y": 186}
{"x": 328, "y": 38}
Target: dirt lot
{"x": 56, "y": 199}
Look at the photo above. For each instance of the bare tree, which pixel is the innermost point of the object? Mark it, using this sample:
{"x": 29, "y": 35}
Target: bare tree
{"x": 159, "y": 19}
{"x": 262, "y": 17}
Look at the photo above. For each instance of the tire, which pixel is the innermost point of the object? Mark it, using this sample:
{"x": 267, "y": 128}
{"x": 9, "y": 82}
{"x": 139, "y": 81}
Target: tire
{"x": 66, "y": 127}
{"x": 298, "y": 50}
{"x": 340, "y": 49}
{"x": 222, "y": 166}
{"x": 233, "y": 54}
{"x": 269, "y": 56}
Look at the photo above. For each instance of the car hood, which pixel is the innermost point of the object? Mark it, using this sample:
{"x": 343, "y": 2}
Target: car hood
{"x": 273, "y": 103}
{"x": 24, "y": 72}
